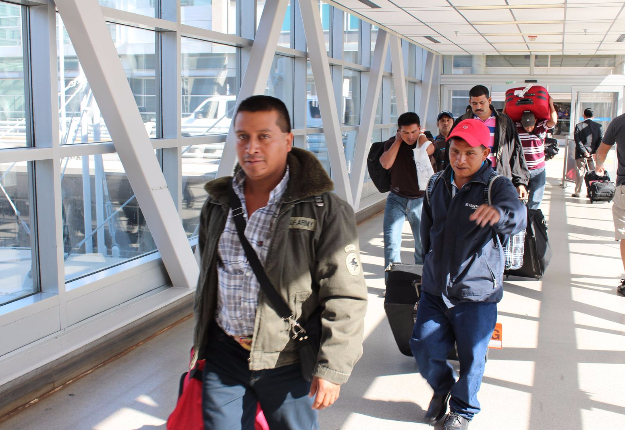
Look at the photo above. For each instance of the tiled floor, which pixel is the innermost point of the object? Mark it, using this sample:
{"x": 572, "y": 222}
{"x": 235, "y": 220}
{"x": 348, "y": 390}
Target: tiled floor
{"x": 562, "y": 365}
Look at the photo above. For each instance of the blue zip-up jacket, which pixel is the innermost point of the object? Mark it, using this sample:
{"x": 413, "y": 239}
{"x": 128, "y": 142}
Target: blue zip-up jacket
{"x": 463, "y": 261}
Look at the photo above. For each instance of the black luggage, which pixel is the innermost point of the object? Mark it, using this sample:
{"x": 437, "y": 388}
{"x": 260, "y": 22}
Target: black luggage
{"x": 599, "y": 188}
{"x": 403, "y": 287}
{"x": 591, "y": 176}
{"x": 379, "y": 175}
{"x": 537, "y": 249}
{"x": 601, "y": 191}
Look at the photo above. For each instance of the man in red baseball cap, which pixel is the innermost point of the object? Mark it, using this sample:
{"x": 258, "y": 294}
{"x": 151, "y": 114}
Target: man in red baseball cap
{"x": 468, "y": 213}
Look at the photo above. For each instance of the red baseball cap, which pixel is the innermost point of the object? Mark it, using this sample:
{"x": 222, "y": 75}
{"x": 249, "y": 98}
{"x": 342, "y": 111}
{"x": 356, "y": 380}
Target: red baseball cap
{"x": 473, "y": 131}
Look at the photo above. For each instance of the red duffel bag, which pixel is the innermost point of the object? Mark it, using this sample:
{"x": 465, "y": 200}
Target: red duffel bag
{"x": 531, "y": 98}
{"x": 188, "y": 412}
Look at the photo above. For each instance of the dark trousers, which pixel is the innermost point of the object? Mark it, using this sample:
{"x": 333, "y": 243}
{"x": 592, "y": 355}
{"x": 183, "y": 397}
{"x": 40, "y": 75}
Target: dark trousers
{"x": 470, "y": 326}
{"x": 231, "y": 391}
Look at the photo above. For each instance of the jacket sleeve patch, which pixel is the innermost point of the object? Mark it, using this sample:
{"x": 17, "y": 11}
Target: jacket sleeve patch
{"x": 302, "y": 223}
{"x": 352, "y": 263}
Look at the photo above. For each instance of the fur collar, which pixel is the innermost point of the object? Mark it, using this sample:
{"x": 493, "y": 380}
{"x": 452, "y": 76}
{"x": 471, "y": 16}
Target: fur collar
{"x": 307, "y": 178}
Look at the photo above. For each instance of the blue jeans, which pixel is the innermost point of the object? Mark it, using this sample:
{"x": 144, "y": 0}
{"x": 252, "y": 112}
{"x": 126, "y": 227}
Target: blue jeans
{"x": 536, "y": 187}
{"x": 230, "y": 391}
{"x": 397, "y": 210}
{"x": 470, "y": 325}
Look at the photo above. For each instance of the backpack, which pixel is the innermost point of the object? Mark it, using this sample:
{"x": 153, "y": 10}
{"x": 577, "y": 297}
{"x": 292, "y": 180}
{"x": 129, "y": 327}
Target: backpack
{"x": 514, "y": 247}
{"x": 380, "y": 176}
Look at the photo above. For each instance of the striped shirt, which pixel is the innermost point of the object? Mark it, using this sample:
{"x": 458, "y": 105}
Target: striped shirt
{"x": 533, "y": 144}
{"x": 237, "y": 294}
{"x": 491, "y": 123}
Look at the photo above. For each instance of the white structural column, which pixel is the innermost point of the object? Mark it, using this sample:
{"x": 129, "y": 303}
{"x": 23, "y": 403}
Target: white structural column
{"x": 399, "y": 75}
{"x": 325, "y": 94}
{"x": 426, "y": 90}
{"x": 260, "y": 58}
{"x": 169, "y": 65}
{"x": 93, "y": 44}
{"x": 47, "y": 172}
{"x": 367, "y": 117}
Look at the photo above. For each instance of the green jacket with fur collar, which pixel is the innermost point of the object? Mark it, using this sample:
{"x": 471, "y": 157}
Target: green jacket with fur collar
{"x": 313, "y": 260}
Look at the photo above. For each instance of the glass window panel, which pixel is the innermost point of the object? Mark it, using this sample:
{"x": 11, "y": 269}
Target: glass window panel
{"x": 216, "y": 15}
{"x": 80, "y": 119}
{"x": 583, "y": 61}
{"x": 459, "y": 102}
{"x": 285, "y": 31}
{"x": 326, "y": 24}
{"x": 143, "y": 7}
{"x": 351, "y": 38}
{"x": 199, "y": 165}
{"x": 351, "y": 97}
{"x": 393, "y": 102}
{"x": 16, "y": 255}
{"x": 12, "y": 91}
{"x": 349, "y": 145}
{"x": 209, "y": 87}
{"x": 506, "y": 61}
{"x": 280, "y": 82}
{"x": 542, "y": 61}
{"x": 313, "y": 113}
{"x": 103, "y": 225}
{"x": 374, "y": 36}
{"x": 316, "y": 143}
{"x": 378, "y": 110}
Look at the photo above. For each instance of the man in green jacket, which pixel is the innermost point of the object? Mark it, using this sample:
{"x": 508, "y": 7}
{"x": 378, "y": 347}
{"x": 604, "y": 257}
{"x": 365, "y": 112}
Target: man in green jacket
{"x": 306, "y": 240}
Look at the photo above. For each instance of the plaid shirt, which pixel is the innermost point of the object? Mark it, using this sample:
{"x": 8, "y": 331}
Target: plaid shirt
{"x": 237, "y": 295}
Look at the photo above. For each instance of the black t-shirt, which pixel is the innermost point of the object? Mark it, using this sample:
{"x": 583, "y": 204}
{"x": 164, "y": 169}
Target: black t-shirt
{"x": 616, "y": 134}
{"x": 404, "y": 171}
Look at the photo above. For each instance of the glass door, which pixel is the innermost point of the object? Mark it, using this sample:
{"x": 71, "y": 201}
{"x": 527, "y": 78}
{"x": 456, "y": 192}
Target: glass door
{"x": 606, "y": 103}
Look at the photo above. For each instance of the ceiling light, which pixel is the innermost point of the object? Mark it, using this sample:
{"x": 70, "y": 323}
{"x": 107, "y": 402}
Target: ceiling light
{"x": 516, "y": 6}
{"x": 370, "y": 4}
{"x": 621, "y": 38}
{"x": 515, "y": 22}
{"x": 431, "y": 39}
{"x": 532, "y": 37}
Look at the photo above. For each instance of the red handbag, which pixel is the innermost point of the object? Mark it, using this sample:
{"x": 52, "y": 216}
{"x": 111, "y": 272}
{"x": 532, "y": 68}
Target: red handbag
{"x": 188, "y": 412}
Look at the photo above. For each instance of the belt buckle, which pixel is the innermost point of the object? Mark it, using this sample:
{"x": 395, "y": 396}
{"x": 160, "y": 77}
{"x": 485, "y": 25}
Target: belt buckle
{"x": 244, "y": 341}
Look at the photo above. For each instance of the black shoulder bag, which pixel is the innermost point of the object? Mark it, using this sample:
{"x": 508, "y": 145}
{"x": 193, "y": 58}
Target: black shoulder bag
{"x": 308, "y": 334}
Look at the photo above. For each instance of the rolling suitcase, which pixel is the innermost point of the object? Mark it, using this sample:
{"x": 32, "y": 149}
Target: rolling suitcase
{"x": 599, "y": 188}
{"x": 537, "y": 252}
{"x": 601, "y": 191}
{"x": 531, "y": 98}
{"x": 403, "y": 287}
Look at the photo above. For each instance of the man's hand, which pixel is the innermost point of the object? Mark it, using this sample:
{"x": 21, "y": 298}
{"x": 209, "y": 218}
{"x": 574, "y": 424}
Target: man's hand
{"x": 327, "y": 393}
{"x": 398, "y": 137}
{"x": 599, "y": 170}
{"x": 522, "y": 192}
{"x": 588, "y": 155}
{"x": 485, "y": 214}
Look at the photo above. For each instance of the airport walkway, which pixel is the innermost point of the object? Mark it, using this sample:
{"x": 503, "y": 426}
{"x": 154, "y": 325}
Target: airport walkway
{"x": 562, "y": 365}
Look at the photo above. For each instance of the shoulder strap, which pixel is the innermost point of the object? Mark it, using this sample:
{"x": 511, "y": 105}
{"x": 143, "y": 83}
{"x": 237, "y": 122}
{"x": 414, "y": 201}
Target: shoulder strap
{"x": 280, "y": 305}
{"x": 487, "y": 189}
{"x": 431, "y": 184}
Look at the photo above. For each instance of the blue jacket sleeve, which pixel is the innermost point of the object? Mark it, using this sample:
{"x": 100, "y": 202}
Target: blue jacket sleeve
{"x": 513, "y": 213}
{"x": 426, "y": 225}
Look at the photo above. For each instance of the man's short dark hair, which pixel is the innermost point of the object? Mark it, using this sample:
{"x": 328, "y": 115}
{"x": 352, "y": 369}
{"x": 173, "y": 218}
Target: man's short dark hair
{"x": 408, "y": 118}
{"x": 479, "y": 90}
{"x": 589, "y": 113}
{"x": 267, "y": 104}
